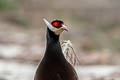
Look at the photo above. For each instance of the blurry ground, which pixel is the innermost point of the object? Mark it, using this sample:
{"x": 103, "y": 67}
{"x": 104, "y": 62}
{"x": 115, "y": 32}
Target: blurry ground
{"x": 13, "y": 71}
{"x": 93, "y": 29}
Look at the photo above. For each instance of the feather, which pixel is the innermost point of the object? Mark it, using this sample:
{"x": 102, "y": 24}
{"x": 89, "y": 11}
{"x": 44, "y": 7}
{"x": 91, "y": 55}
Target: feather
{"x": 69, "y": 53}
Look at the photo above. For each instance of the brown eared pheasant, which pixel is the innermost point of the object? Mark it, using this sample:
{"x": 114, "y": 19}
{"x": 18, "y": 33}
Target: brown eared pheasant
{"x": 54, "y": 65}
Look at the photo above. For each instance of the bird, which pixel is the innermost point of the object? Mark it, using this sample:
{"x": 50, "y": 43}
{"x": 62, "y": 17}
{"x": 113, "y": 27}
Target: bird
{"x": 54, "y": 65}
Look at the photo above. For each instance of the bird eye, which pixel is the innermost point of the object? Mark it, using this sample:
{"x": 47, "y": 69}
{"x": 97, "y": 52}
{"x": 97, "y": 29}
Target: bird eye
{"x": 57, "y": 24}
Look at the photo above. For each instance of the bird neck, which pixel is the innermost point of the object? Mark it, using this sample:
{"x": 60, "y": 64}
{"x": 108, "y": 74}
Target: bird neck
{"x": 53, "y": 48}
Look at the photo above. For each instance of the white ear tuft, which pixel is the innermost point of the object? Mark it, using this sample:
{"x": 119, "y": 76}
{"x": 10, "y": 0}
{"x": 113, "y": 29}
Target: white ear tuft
{"x": 49, "y": 25}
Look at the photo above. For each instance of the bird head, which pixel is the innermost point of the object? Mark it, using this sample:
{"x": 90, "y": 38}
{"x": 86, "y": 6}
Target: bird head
{"x": 56, "y": 26}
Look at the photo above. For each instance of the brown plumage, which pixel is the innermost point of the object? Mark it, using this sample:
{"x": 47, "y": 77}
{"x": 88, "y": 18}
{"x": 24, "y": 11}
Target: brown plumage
{"x": 54, "y": 66}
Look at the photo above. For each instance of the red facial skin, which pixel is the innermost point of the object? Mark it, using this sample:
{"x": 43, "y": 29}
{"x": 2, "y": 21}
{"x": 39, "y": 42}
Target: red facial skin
{"x": 57, "y": 24}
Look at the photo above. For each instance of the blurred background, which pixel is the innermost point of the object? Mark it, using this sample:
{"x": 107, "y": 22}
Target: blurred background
{"x": 94, "y": 30}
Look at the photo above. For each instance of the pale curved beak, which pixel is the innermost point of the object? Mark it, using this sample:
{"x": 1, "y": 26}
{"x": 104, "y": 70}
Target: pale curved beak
{"x": 64, "y": 27}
